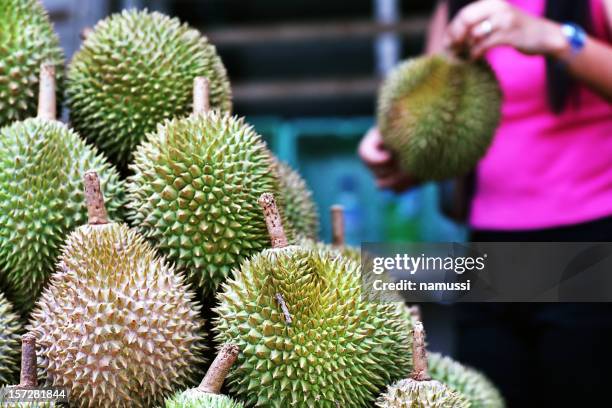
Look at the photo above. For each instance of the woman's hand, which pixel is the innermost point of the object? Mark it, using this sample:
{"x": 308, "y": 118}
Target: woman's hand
{"x": 383, "y": 165}
{"x": 485, "y": 24}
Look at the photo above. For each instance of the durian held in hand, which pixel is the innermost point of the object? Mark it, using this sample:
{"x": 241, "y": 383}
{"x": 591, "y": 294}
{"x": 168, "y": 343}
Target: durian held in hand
{"x": 41, "y": 194}
{"x": 26, "y": 41}
{"x": 207, "y": 394}
{"x": 438, "y": 114}
{"x": 116, "y": 325}
{"x": 195, "y": 187}
{"x": 134, "y": 70}
{"x": 420, "y": 391}
{"x": 307, "y": 338}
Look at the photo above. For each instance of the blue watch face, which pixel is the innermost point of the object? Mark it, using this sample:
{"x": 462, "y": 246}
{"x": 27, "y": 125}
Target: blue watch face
{"x": 576, "y": 36}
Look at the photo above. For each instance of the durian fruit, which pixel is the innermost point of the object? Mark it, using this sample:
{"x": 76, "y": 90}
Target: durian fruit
{"x": 41, "y": 199}
{"x": 194, "y": 191}
{"x": 116, "y": 326}
{"x": 465, "y": 380}
{"x": 134, "y": 70}
{"x": 420, "y": 391}
{"x": 10, "y": 327}
{"x": 307, "y": 338}
{"x": 300, "y": 208}
{"x": 207, "y": 394}
{"x": 439, "y": 114}
{"x": 29, "y": 374}
{"x": 27, "y": 40}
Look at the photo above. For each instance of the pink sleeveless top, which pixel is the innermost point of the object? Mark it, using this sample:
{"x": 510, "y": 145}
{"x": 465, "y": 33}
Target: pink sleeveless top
{"x": 544, "y": 170}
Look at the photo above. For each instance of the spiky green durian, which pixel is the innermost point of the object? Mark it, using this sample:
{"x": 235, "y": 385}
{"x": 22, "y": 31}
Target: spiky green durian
{"x": 465, "y": 380}
{"x": 206, "y": 395}
{"x": 10, "y": 328}
{"x": 338, "y": 349}
{"x": 439, "y": 115}
{"x": 420, "y": 391}
{"x": 134, "y": 70}
{"x": 27, "y": 40}
{"x": 190, "y": 399}
{"x": 194, "y": 193}
{"x": 116, "y": 326}
{"x": 300, "y": 208}
{"x": 308, "y": 339}
{"x": 41, "y": 200}
{"x": 409, "y": 393}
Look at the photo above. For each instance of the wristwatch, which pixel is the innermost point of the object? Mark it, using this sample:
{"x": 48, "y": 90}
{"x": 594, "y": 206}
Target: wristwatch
{"x": 575, "y": 35}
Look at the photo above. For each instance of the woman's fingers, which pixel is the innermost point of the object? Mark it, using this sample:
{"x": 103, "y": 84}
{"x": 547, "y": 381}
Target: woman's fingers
{"x": 480, "y": 47}
{"x": 484, "y": 29}
{"x": 372, "y": 151}
{"x": 472, "y": 22}
{"x": 381, "y": 162}
{"x": 375, "y": 155}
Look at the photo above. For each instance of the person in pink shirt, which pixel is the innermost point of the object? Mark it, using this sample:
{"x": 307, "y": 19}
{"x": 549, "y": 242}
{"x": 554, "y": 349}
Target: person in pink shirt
{"x": 546, "y": 177}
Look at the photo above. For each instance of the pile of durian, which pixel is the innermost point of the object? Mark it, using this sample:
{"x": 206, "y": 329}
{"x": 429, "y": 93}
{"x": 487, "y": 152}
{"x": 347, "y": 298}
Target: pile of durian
{"x": 116, "y": 229}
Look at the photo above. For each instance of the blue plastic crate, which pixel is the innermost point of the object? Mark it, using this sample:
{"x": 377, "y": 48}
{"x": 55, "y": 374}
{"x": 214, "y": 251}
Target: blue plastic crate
{"x": 324, "y": 152}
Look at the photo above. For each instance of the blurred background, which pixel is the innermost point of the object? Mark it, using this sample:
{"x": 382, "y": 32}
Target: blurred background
{"x": 305, "y": 73}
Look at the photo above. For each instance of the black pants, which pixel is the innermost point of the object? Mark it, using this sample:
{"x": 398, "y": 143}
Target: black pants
{"x": 542, "y": 355}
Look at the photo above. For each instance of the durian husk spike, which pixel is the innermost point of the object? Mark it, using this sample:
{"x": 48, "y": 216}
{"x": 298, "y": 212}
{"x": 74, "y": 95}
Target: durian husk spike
{"x": 337, "y": 215}
{"x": 274, "y": 223}
{"x": 213, "y": 380}
{"x": 47, "y": 105}
{"x": 94, "y": 199}
{"x": 201, "y": 95}
{"x": 28, "y": 376}
{"x": 419, "y": 354}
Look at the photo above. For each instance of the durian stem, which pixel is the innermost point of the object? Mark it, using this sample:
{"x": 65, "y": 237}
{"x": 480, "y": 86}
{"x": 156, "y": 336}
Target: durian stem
{"x": 201, "y": 95}
{"x": 213, "y": 380}
{"x": 29, "y": 377}
{"x": 94, "y": 199}
{"x": 47, "y": 106}
{"x": 281, "y": 301}
{"x": 273, "y": 221}
{"x": 419, "y": 354}
{"x": 415, "y": 312}
{"x": 337, "y": 214}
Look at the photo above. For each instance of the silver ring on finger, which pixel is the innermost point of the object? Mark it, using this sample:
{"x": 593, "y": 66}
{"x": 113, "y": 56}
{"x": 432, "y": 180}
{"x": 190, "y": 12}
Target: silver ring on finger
{"x": 486, "y": 27}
